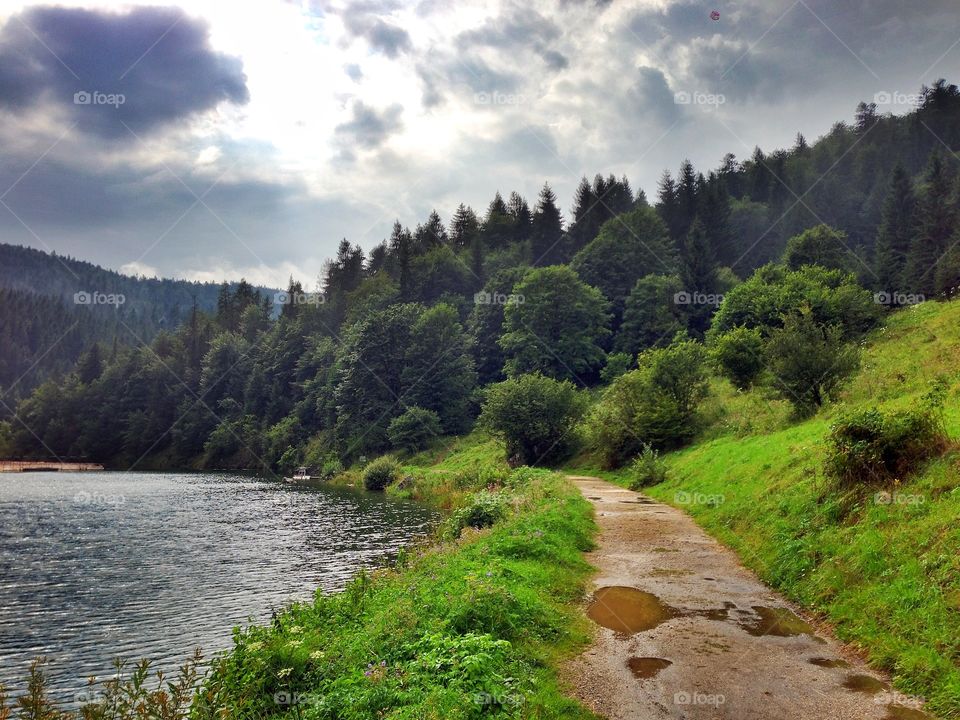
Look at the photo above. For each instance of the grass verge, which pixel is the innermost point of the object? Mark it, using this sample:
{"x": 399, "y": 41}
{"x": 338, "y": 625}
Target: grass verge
{"x": 469, "y": 628}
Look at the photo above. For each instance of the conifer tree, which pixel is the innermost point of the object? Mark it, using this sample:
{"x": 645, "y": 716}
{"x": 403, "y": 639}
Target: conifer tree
{"x": 897, "y": 226}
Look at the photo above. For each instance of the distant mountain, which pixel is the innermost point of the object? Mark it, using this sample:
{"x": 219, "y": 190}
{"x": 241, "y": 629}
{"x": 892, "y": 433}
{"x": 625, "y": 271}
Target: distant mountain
{"x": 53, "y": 307}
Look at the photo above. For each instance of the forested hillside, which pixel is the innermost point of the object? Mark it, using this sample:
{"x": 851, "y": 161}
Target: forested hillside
{"x": 52, "y": 308}
{"x": 757, "y": 265}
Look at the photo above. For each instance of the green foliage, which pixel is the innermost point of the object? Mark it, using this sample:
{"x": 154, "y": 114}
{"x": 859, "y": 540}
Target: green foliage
{"x": 414, "y": 429}
{"x": 655, "y": 405}
{"x": 651, "y": 315}
{"x": 868, "y": 446}
{"x": 648, "y": 468}
{"x": 773, "y": 291}
{"x": 438, "y": 372}
{"x": 555, "y": 326}
{"x": 380, "y": 473}
{"x": 810, "y": 362}
{"x": 627, "y": 248}
{"x": 739, "y": 354}
{"x": 482, "y": 510}
{"x": 821, "y": 245}
{"x": 534, "y": 416}
{"x": 485, "y": 323}
{"x": 617, "y": 365}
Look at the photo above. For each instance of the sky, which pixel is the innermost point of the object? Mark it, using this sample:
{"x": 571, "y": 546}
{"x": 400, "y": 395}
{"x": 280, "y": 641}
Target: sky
{"x": 213, "y": 140}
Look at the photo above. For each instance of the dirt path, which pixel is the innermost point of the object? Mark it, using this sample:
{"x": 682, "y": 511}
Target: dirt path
{"x": 687, "y": 632}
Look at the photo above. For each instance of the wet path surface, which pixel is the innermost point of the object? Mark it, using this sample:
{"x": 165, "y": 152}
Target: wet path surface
{"x": 685, "y": 631}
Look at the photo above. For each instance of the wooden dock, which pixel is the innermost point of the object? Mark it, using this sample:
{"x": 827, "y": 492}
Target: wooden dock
{"x": 46, "y": 466}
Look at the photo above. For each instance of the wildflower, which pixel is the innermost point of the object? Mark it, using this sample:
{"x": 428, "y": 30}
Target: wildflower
{"x": 284, "y": 673}
{"x": 317, "y": 655}
{"x": 296, "y": 629}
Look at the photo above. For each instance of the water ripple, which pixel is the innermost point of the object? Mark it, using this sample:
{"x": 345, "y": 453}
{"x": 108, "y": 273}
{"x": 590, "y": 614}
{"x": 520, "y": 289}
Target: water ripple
{"x": 98, "y": 565}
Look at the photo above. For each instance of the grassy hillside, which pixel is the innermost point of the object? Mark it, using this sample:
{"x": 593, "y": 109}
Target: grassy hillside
{"x": 884, "y": 568}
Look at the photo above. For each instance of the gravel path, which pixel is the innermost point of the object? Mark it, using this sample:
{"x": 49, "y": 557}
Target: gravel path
{"x": 685, "y": 631}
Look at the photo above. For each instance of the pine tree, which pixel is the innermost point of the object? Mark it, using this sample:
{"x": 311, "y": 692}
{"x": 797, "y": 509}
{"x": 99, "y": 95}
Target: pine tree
{"x": 584, "y": 203}
{"x": 698, "y": 276}
{"x": 463, "y": 226}
{"x": 936, "y": 216}
{"x": 546, "y": 230}
{"x": 399, "y": 243}
{"x": 714, "y": 213}
{"x": 668, "y": 204}
{"x": 522, "y": 218}
{"x": 686, "y": 198}
{"x": 897, "y": 226}
{"x": 90, "y": 366}
{"x": 432, "y": 234}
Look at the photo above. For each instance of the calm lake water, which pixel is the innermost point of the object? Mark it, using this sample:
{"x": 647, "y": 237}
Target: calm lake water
{"x": 97, "y": 565}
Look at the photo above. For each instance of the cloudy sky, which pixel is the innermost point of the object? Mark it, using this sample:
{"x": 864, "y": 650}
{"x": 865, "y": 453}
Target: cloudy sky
{"x": 213, "y": 139}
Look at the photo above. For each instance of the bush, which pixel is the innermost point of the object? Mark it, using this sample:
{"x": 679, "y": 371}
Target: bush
{"x": 533, "y": 415}
{"x": 485, "y": 508}
{"x": 380, "y": 473}
{"x": 810, "y": 362}
{"x": 654, "y": 405}
{"x": 869, "y": 447}
{"x": 647, "y": 469}
{"x": 413, "y": 429}
{"x": 738, "y": 354}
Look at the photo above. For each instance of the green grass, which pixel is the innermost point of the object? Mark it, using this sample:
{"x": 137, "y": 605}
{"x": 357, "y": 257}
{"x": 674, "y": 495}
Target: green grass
{"x": 886, "y": 575}
{"x": 471, "y": 628}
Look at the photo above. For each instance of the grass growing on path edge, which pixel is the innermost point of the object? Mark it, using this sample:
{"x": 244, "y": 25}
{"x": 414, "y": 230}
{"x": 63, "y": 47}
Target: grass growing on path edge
{"x": 474, "y": 627}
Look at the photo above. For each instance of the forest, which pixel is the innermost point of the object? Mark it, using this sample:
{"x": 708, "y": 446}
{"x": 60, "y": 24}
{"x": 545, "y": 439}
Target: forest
{"x": 769, "y": 269}
{"x": 48, "y": 316}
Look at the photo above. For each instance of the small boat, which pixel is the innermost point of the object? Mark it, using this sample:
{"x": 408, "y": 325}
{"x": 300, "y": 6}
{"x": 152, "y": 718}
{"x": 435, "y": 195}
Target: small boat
{"x": 301, "y": 475}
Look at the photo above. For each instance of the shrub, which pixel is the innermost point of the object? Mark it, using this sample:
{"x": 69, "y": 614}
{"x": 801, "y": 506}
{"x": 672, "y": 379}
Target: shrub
{"x": 380, "y": 473}
{"x": 871, "y": 446}
{"x": 413, "y": 429}
{"x": 647, "y": 469}
{"x": 654, "y": 405}
{"x": 484, "y": 509}
{"x": 738, "y": 354}
{"x": 810, "y": 362}
{"x": 533, "y": 415}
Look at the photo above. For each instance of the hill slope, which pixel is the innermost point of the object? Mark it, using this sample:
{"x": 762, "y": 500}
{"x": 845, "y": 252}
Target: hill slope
{"x": 884, "y": 570}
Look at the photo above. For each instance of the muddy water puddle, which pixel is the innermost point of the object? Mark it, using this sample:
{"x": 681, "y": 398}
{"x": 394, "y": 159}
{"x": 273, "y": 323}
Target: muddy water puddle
{"x": 644, "y": 668}
{"x": 864, "y": 683}
{"x": 628, "y": 610}
{"x": 777, "y": 621}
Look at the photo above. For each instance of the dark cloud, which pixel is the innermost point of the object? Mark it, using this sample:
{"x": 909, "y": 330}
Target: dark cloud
{"x": 362, "y": 20}
{"x": 518, "y": 28}
{"x": 369, "y": 128}
{"x": 650, "y": 96}
{"x": 158, "y": 59}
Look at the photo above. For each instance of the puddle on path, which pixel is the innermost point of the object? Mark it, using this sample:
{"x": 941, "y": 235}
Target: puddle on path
{"x": 898, "y": 712}
{"x": 864, "y": 684}
{"x": 781, "y": 622}
{"x": 628, "y": 610}
{"x": 829, "y": 662}
{"x": 644, "y": 668}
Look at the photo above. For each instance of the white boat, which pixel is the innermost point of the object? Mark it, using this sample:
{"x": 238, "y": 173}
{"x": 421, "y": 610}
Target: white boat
{"x": 301, "y": 475}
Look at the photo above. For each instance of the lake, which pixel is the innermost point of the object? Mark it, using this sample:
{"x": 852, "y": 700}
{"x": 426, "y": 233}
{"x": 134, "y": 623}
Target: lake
{"x": 99, "y": 565}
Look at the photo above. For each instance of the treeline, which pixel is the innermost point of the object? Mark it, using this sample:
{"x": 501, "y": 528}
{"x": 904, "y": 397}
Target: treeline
{"x": 402, "y": 343}
{"x": 52, "y": 308}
